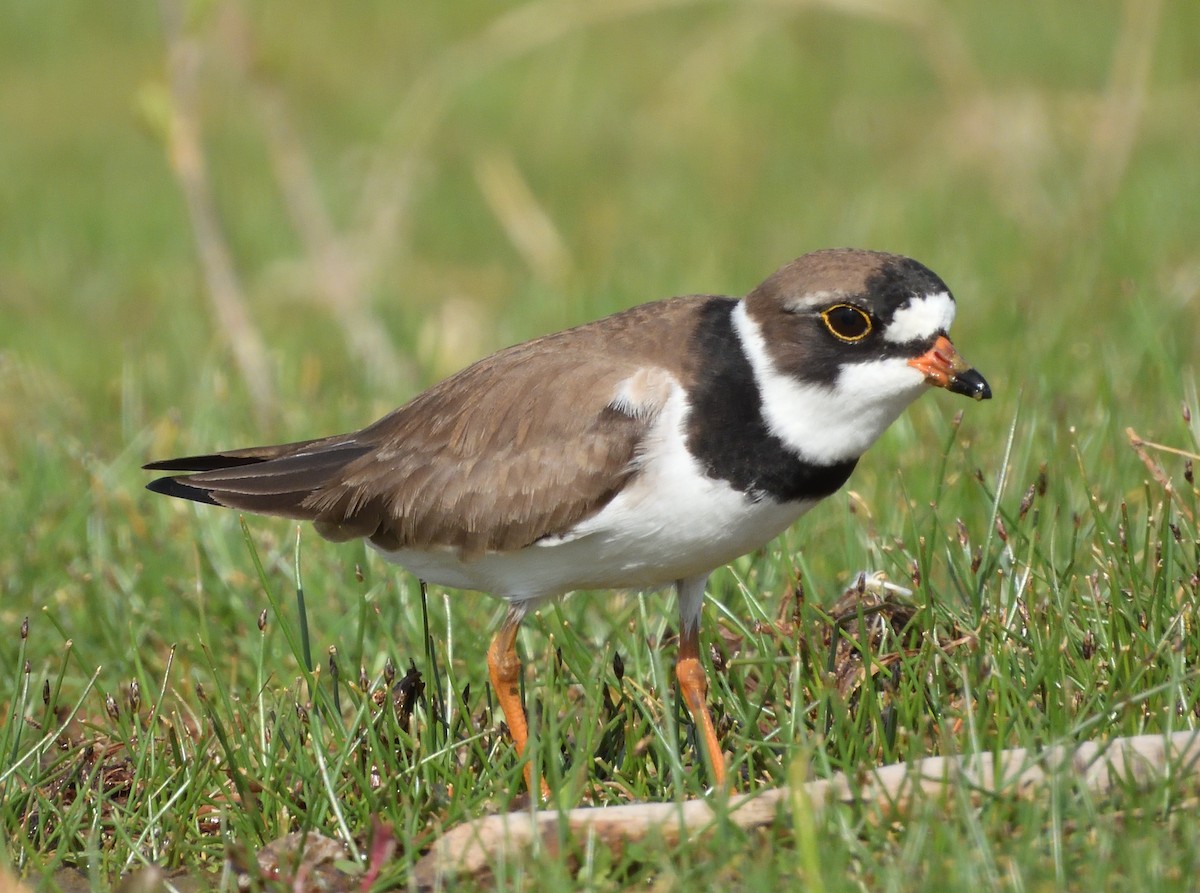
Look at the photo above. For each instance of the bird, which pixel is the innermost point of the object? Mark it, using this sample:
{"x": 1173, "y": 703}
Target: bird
{"x": 640, "y": 451}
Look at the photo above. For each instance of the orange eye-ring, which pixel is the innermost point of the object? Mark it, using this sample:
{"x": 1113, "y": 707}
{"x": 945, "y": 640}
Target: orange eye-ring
{"x": 847, "y": 322}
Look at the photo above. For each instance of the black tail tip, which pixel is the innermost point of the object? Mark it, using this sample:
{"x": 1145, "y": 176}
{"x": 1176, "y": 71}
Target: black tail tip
{"x": 180, "y": 489}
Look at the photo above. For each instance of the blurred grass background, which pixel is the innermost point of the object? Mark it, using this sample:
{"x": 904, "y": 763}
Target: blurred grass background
{"x": 399, "y": 189}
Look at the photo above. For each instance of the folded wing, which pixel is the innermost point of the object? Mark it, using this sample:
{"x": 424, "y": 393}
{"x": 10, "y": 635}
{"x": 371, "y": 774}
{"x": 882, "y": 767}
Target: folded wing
{"x": 522, "y": 445}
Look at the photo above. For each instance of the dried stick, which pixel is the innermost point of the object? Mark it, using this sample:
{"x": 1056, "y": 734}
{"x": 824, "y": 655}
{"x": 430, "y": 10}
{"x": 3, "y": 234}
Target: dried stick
{"x": 1099, "y": 767}
{"x": 9, "y": 884}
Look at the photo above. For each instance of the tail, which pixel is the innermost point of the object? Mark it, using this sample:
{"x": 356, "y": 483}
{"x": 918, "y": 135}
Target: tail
{"x": 271, "y": 480}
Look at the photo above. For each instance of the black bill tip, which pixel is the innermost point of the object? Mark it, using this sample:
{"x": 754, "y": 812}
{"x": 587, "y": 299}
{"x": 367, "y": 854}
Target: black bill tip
{"x": 970, "y": 384}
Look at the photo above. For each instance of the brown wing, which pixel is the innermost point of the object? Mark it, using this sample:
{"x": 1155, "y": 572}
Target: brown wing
{"x": 519, "y": 446}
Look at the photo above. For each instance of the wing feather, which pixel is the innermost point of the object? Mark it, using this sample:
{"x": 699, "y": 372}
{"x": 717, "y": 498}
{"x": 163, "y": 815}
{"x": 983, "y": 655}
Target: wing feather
{"x": 520, "y": 446}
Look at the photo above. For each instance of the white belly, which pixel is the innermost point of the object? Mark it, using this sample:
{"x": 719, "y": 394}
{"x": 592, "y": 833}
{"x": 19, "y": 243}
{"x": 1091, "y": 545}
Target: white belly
{"x": 620, "y": 549}
{"x": 626, "y": 546}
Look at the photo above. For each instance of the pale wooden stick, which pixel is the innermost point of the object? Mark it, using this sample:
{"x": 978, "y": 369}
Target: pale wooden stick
{"x": 1100, "y": 767}
{"x": 9, "y": 884}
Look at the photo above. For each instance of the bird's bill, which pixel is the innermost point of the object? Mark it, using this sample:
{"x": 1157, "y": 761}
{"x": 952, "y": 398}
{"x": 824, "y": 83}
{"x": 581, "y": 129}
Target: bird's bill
{"x": 944, "y": 367}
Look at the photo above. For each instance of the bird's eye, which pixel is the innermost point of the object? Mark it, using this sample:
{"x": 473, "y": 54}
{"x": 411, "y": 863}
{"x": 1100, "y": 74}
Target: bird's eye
{"x": 847, "y": 322}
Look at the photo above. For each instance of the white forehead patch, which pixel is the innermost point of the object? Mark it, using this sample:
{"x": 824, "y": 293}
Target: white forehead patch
{"x": 921, "y": 318}
{"x": 812, "y": 299}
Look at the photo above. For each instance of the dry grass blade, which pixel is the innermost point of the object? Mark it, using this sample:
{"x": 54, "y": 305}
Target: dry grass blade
{"x": 1140, "y": 446}
{"x": 1117, "y": 123}
{"x": 340, "y": 274}
{"x": 525, "y": 221}
{"x": 185, "y": 151}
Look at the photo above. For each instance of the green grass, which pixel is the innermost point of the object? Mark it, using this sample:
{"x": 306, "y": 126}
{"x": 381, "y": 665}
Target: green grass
{"x": 1042, "y": 161}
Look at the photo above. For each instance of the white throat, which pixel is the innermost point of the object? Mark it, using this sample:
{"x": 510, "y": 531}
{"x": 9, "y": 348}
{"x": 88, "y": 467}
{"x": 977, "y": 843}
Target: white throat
{"x": 828, "y": 424}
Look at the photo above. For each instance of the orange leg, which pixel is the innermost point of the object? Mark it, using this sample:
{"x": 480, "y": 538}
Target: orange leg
{"x": 693, "y": 684}
{"x": 504, "y": 668}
